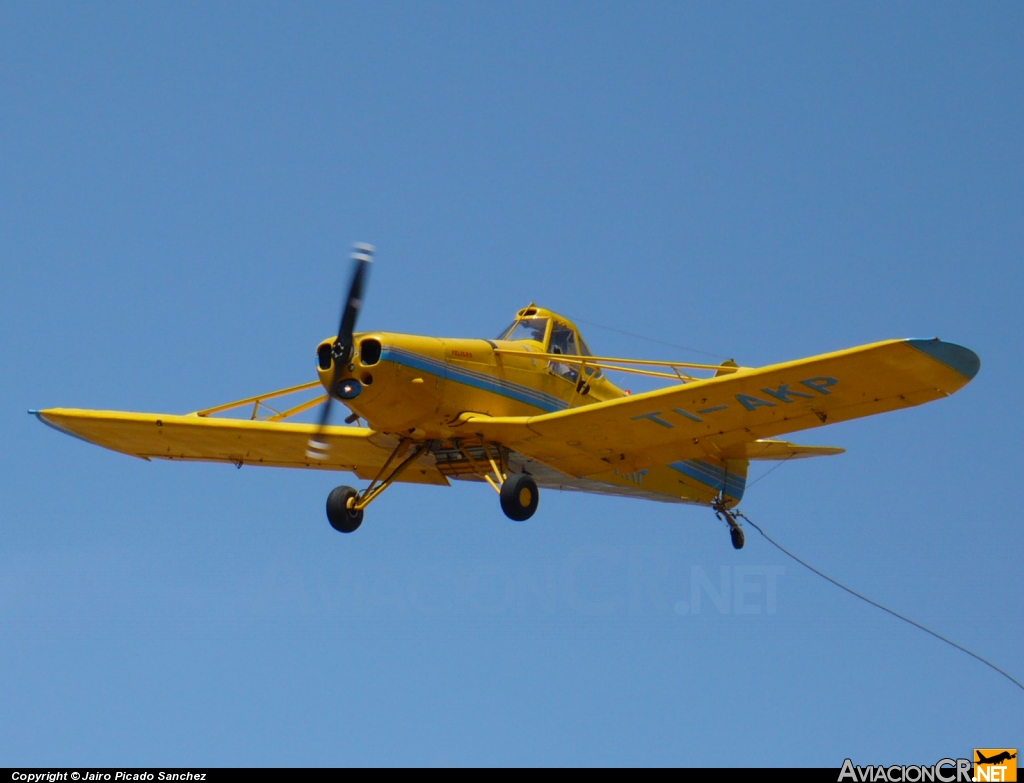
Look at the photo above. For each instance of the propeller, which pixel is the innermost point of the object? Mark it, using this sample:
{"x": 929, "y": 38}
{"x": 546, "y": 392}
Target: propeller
{"x": 344, "y": 345}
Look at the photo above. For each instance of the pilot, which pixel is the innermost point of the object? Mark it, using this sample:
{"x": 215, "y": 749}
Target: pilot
{"x": 563, "y": 341}
{"x": 536, "y": 328}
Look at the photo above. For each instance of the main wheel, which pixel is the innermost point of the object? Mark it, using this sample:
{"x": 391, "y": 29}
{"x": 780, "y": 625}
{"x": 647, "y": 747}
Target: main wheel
{"x": 519, "y": 496}
{"x": 342, "y": 518}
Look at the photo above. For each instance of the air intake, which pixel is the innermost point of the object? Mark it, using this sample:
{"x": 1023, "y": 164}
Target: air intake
{"x": 369, "y": 352}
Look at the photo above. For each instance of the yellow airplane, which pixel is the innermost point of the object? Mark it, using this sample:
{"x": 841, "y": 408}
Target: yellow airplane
{"x": 534, "y": 408}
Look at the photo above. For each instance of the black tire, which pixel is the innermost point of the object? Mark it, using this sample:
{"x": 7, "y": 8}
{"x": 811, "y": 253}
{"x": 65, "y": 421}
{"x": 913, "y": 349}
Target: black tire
{"x": 519, "y": 497}
{"x": 738, "y": 538}
{"x": 342, "y": 518}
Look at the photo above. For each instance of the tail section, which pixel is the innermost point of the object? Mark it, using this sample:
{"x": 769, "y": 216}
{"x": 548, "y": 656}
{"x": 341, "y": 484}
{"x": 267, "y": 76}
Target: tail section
{"x": 707, "y": 478}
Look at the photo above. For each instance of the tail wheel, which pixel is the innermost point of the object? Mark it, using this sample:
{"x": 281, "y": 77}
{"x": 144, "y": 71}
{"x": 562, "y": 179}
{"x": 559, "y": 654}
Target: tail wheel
{"x": 738, "y": 539}
{"x": 519, "y": 497}
{"x": 730, "y": 518}
{"x": 342, "y": 518}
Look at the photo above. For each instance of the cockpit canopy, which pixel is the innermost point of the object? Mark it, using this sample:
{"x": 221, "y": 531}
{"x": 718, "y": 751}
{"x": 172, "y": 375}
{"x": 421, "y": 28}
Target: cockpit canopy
{"x": 555, "y": 334}
{"x": 535, "y": 329}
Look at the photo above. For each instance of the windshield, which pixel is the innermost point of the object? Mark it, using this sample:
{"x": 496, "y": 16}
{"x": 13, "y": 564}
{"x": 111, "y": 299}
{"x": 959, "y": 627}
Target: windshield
{"x": 527, "y": 329}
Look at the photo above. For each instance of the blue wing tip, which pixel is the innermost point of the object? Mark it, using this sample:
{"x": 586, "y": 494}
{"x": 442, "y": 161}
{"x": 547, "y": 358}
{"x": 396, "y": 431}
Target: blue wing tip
{"x": 963, "y": 360}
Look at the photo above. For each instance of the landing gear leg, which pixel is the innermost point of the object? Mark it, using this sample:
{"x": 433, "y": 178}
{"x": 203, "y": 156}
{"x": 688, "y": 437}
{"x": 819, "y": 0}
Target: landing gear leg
{"x": 735, "y": 531}
{"x": 518, "y": 491}
{"x": 345, "y": 505}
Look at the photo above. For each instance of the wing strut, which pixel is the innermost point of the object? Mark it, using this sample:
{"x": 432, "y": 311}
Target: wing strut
{"x": 259, "y": 401}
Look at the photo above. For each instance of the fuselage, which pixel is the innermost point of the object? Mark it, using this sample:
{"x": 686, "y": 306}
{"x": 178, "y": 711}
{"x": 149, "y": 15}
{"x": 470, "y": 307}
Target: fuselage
{"x": 410, "y": 384}
{"x": 420, "y": 387}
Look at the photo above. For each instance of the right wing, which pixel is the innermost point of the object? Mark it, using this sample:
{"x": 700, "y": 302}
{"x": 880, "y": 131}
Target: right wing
{"x": 238, "y": 441}
{"x": 726, "y": 415}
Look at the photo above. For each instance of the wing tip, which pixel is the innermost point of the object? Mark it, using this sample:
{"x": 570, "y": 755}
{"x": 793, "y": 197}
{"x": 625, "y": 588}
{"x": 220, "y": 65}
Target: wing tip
{"x": 956, "y": 357}
{"x": 41, "y": 415}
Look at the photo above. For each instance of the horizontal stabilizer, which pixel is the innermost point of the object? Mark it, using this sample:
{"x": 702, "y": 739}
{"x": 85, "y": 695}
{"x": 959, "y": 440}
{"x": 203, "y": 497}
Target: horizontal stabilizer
{"x": 779, "y": 449}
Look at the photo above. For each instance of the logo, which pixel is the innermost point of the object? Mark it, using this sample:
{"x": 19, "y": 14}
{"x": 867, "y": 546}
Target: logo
{"x": 783, "y": 394}
{"x": 942, "y": 771}
{"x": 995, "y": 764}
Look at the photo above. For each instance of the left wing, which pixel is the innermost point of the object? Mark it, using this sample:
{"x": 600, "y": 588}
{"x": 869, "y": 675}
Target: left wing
{"x": 722, "y": 416}
{"x": 238, "y": 441}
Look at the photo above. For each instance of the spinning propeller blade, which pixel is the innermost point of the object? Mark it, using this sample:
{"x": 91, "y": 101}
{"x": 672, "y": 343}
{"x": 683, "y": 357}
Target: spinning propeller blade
{"x": 344, "y": 345}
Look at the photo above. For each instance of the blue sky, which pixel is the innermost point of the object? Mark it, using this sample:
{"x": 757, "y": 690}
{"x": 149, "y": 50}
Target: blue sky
{"x": 179, "y": 186}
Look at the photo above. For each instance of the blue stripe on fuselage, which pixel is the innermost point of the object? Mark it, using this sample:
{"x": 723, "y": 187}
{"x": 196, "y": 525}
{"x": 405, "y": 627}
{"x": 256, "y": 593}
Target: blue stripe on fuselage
{"x": 478, "y": 380}
{"x": 713, "y": 476}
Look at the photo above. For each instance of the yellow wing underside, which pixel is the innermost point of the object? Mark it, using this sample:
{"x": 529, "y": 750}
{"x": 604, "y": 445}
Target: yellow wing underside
{"x": 268, "y": 443}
